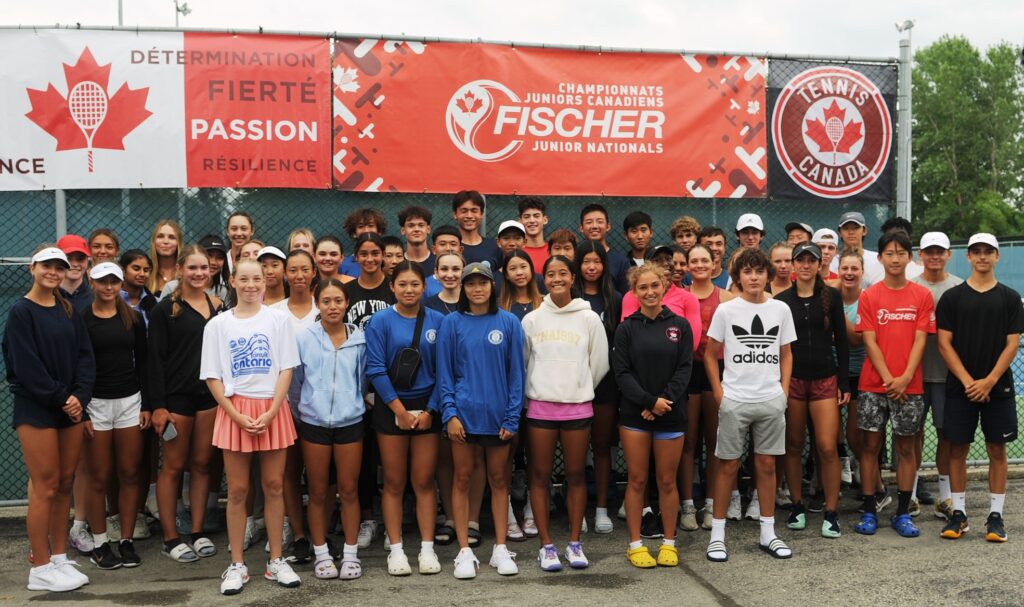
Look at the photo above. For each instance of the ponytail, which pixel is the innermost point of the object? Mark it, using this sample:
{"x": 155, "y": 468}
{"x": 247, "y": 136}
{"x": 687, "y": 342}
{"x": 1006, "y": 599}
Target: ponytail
{"x": 125, "y": 313}
{"x": 826, "y": 297}
{"x": 63, "y": 301}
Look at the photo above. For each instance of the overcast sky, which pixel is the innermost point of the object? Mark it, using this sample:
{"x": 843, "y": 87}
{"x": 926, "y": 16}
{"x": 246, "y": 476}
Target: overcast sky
{"x": 864, "y": 28}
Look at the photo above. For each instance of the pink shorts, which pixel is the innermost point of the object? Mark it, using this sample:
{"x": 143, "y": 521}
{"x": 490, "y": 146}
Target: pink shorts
{"x": 813, "y": 389}
{"x": 229, "y": 436}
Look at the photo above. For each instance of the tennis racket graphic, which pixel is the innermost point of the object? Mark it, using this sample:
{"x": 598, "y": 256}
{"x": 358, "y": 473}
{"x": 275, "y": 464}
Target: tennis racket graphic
{"x": 88, "y": 104}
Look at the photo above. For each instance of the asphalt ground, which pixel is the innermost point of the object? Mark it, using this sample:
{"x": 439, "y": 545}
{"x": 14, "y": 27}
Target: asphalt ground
{"x": 853, "y": 570}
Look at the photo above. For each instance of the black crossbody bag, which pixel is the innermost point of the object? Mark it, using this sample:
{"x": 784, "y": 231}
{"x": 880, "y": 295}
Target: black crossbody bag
{"x": 407, "y": 363}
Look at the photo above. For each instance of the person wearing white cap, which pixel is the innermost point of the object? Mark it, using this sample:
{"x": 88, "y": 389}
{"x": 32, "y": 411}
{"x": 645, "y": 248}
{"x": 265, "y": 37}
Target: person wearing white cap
{"x": 117, "y": 411}
{"x": 828, "y": 241}
{"x": 750, "y": 231}
{"x": 511, "y": 236}
{"x": 272, "y": 259}
{"x": 934, "y": 254}
{"x": 980, "y": 322}
{"x": 51, "y": 371}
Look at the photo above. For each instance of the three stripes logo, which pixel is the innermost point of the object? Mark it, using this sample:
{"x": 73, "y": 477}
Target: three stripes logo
{"x": 756, "y": 339}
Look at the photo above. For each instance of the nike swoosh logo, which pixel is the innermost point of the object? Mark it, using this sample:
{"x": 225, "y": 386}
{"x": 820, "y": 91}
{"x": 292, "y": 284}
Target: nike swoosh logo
{"x": 1008, "y": 435}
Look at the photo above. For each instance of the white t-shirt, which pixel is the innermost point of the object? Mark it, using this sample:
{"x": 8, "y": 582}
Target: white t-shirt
{"x": 298, "y": 324}
{"x": 753, "y": 335}
{"x": 248, "y": 354}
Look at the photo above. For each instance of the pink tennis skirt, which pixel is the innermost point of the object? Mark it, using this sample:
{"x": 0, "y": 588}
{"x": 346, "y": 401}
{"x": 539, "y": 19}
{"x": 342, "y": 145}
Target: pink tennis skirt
{"x": 229, "y": 436}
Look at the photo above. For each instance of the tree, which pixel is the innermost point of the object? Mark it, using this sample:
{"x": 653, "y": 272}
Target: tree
{"x": 968, "y": 165}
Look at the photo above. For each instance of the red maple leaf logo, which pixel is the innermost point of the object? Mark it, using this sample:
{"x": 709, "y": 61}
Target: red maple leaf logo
{"x": 468, "y": 103}
{"x": 88, "y": 117}
{"x": 835, "y": 134}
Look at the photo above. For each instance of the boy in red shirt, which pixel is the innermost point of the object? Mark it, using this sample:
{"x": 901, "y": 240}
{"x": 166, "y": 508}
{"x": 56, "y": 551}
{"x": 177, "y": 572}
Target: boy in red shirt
{"x": 894, "y": 316}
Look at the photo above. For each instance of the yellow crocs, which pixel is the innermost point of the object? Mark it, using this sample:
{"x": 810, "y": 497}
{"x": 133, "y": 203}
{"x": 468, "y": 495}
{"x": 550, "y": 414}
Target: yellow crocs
{"x": 668, "y": 556}
{"x": 641, "y": 557}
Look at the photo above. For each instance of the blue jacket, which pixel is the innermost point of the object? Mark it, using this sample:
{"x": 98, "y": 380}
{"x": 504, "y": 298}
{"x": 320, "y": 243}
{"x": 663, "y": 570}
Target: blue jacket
{"x": 480, "y": 371}
{"x": 328, "y": 386}
{"x": 387, "y": 333}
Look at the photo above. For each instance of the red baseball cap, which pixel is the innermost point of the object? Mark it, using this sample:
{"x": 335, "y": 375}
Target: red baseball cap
{"x": 73, "y": 243}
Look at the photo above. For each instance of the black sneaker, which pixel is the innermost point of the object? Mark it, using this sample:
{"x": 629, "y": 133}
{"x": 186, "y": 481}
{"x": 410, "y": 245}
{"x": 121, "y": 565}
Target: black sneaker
{"x": 995, "y": 531}
{"x": 104, "y": 558}
{"x": 129, "y": 558}
{"x": 924, "y": 496}
{"x": 302, "y": 551}
{"x": 956, "y": 527}
{"x": 817, "y": 503}
{"x": 650, "y": 527}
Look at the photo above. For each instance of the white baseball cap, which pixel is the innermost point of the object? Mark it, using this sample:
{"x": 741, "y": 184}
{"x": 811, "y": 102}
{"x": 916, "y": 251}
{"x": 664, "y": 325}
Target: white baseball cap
{"x": 825, "y": 235}
{"x": 511, "y": 224}
{"x": 106, "y": 268}
{"x": 983, "y": 238}
{"x": 50, "y": 253}
{"x": 276, "y": 252}
{"x": 934, "y": 239}
{"x": 749, "y": 220}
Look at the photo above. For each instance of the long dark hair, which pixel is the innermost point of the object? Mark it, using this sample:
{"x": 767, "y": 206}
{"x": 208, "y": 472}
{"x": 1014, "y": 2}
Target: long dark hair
{"x": 605, "y": 284}
{"x": 508, "y": 295}
{"x": 492, "y": 304}
{"x": 323, "y": 284}
{"x": 576, "y": 290}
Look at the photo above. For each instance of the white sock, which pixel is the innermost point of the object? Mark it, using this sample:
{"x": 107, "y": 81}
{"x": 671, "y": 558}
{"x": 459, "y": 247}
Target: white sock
{"x": 960, "y": 501}
{"x": 152, "y": 490}
{"x": 996, "y": 500}
{"x": 78, "y": 525}
{"x": 636, "y": 544}
{"x": 99, "y": 539}
{"x": 426, "y": 547}
{"x": 735, "y": 493}
{"x": 511, "y": 513}
{"x": 767, "y": 530}
{"x": 709, "y": 504}
{"x": 917, "y": 478}
{"x": 601, "y": 512}
{"x": 321, "y": 552}
{"x": 647, "y": 510}
{"x": 668, "y": 542}
{"x": 499, "y": 546}
{"x": 528, "y": 510}
{"x": 687, "y": 502}
{"x": 350, "y": 550}
{"x": 717, "y": 530}
{"x": 753, "y": 496}
{"x": 57, "y": 559}
{"x": 944, "y": 491}
{"x": 397, "y": 548}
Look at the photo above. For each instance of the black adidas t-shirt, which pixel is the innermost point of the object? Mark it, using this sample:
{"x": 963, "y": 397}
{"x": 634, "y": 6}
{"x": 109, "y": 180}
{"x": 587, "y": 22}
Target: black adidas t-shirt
{"x": 980, "y": 322}
{"x": 363, "y": 302}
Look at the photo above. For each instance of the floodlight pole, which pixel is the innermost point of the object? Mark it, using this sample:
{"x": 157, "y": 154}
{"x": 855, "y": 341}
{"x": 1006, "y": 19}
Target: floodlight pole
{"x": 904, "y": 111}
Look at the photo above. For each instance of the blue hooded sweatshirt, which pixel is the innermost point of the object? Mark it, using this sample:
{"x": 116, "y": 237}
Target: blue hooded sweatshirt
{"x": 480, "y": 371}
{"x": 387, "y": 333}
{"x": 330, "y": 382}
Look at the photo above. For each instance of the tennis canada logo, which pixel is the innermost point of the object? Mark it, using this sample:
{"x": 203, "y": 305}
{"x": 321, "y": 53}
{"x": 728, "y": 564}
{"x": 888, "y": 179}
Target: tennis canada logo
{"x": 88, "y": 117}
{"x": 490, "y": 122}
{"x": 832, "y": 131}
{"x": 757, "y": 338}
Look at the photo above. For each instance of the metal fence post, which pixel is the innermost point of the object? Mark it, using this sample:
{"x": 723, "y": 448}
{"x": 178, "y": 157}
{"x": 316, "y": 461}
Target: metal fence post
{"x": 60, "y": 213}
{"x": 905, "y": 114}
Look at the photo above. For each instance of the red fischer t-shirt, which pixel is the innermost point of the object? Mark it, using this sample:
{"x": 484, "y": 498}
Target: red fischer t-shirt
{"x": 539, "y": 256}
{"x": 895, "y": 315}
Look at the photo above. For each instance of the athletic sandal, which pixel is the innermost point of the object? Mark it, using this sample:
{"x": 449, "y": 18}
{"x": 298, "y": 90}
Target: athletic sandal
{"x": 204, "y": 547}
{"x": 350, "y": 569}
{"x": 445, "y": 534}
{"x": 904, "y": 525}
{"x": 181, "y": 552}
{"x": 716, "y": 552}
{"x": 868, "y": 524}
{"x": 641, "y": 557}
{"x": 668, "y": 556}
{"x": 475, "y": 537}
{"x": 777, "y": 548}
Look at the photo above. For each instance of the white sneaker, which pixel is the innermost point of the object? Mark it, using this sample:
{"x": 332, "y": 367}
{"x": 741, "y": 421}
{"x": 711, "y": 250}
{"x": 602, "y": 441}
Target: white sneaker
{"x": 515, "y": 532}
{"x": 50, "y": 578}
{"x": 622, "y": 511}
{"x": 286, "y": 538}
{"x": 466, "y": 564}
{"x": 574, "y": 554}
{"x": 707, "y": 516}
{"x": 398, "y": 563}
{"x": 504, "y": 561}
{"x": 428, "y": 563}
{"x": 753, "y": 509}
{"x": 547, "y": 556}
{"x": 735, "y": 511}
{"x": 845, "y": 473}
{"x": 367, "y": 531}
{"x": 584, "y": 528}
{"x": 530, "y": 527}
{"x": 252, "y": 534}
{"x": 603, "y": 524}
{"x": 141, "y": 531}
{"x": 688, "y": 517}
{"x": 782, "y": 498}
{"x": 69, "y": 569}
{"x": 278, "y": 570}
{"x": 114, "y": 528}
{"x": 234, "y": 578}
{"x": 81, "y": 540}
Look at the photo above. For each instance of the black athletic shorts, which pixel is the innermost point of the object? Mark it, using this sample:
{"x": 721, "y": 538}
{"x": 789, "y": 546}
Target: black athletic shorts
{"x": 607, "y": 391}
{"x": 383, "y": 418}
{"x": 486, "y": 440}
{"x": 319, "y": 435}
{"x": 699, "y": 377}
{"x": 190, "y": 404}
{"x": 29, "y": 413}
{"x": 560, "y": 424}
{"x": 998, "y": 420}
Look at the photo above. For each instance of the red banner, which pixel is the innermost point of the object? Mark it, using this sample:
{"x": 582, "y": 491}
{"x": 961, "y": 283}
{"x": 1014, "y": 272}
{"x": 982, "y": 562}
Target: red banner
{"x": 450, "y": 116}
{"x": 256, "y": 111}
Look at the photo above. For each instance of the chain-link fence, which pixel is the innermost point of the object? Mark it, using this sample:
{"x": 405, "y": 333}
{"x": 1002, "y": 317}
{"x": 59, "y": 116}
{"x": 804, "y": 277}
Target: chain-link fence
{"x": 30, "y": 218}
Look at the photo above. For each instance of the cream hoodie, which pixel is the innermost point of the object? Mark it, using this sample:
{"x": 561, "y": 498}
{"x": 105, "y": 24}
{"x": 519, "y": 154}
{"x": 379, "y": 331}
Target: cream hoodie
{"x": 566, "y": 352}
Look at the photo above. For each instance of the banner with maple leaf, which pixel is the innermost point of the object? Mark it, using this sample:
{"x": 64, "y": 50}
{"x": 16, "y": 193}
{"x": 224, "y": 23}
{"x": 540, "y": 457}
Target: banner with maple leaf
{"x": 832, "y": 131}
{"x": 441, "y": 117}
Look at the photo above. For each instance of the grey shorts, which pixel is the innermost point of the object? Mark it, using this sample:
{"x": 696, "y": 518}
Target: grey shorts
{"x": 767, "y": 421}
{"x": 874, "y": 410}
{"x": 935, "y": 399}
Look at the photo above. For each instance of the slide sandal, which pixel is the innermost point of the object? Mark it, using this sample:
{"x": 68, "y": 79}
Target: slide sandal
{"x": 181, "y": 553}
{"x": 444, "y": 535}
{"x": 204, "y": 547}
{"x": 777, "y": 548}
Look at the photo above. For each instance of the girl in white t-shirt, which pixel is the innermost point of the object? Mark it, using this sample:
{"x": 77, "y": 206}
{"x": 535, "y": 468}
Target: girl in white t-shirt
{"x": 248, "y": 356}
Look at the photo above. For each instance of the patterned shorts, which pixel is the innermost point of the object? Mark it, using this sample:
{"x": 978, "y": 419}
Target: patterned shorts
{"x": 874, "y": 410}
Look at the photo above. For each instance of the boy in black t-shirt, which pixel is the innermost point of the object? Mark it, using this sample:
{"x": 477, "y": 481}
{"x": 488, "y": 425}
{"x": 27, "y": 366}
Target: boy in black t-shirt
{"x": 979, "y": 323}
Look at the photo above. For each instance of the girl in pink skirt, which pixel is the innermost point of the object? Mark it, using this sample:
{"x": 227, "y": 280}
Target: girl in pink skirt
{"x": 248, "y": 356}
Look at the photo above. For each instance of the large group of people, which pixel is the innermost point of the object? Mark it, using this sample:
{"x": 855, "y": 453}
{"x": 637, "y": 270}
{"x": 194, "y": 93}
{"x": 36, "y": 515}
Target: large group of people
{"x": 450, "y": 365}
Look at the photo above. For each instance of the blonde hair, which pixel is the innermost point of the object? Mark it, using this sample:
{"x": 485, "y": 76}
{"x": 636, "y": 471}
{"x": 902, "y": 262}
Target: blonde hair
{"x": 683, "y": 224}
{"x": 186, "y": 252}
{"x": 300, "y": 232}
{"x": 154, "y": 276}
{"x": 648, "y": 267}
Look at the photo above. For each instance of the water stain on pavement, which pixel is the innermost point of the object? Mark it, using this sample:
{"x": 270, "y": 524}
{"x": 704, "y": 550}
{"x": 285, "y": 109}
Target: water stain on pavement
{"x": 592, "y": 581}
{"x": 141, "y": 597}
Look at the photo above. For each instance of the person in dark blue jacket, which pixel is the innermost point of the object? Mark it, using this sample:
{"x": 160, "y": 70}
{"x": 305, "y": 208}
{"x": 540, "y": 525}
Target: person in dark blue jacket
{"x": 480, "y": 374}
{"x": 50, "y": 371}
{"x": 405, "y": 413}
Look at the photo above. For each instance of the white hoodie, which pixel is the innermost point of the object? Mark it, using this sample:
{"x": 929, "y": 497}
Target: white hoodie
{"x": 566, "y": 352}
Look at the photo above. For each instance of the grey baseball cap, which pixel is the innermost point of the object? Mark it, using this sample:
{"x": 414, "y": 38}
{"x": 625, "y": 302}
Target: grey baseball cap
{"x": 854, "y": 216}
{"x": 477, "y": 268}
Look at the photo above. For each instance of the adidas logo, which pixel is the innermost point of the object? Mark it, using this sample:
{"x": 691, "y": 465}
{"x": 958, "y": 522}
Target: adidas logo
{"x": 757, "y": 338}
